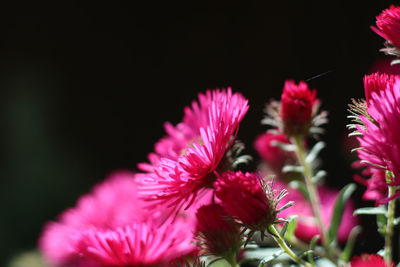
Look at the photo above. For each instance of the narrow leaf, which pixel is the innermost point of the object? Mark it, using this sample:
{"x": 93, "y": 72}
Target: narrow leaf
{"x": 348, "y": 249}
{"x": 312, "y": 155}
{"x": 291, "y": 228}
{"x": 340, "y": 203}
{"x": 292, "y": 168}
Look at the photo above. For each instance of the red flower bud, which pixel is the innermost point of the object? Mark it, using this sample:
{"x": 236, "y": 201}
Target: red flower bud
{"x": 297, "y": 104}
{"x": 244, "y": 198}
{"x": 217, "y": 234}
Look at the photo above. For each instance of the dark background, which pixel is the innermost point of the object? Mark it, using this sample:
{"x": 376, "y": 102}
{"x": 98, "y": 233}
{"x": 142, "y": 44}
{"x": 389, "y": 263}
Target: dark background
{"x": 85, "y": 88}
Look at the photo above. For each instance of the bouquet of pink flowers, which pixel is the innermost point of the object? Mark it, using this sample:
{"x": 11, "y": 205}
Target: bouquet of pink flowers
{"x": 191, "y": 204}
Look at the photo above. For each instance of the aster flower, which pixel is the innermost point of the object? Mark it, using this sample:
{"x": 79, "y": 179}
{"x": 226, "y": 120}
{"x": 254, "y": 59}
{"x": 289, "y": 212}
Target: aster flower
{"x": 216, "y": 234}
{"x": 379, "y": 139}
{"x": 388, "y": 27}
{"x": 307, "y": 226}
{"x": 137, "y": 244}
{"x": 247, "y": 199}
{"x": 369, "y": 260}
{"x": 377, "y": 82}
{"x": 111, "y": 204}
{"x": 185, "y": 162}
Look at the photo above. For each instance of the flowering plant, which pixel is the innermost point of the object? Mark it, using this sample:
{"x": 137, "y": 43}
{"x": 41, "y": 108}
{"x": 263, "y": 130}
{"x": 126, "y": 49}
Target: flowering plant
{"x": 192, "y": 204}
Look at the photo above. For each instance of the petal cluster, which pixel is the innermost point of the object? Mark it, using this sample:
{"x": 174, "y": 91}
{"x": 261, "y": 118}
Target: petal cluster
{"x": 185, "y": 162}
{"x": 388, "y": 25}
{"x": 376, "y": 82}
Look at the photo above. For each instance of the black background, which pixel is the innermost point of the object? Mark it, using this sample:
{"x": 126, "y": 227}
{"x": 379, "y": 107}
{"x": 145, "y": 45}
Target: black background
{"x": 85, "y": 88}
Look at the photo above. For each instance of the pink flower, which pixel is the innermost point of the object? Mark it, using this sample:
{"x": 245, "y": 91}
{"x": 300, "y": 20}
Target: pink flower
{"x": 377, "y": 82}
{"x": 137, "y": 244}
{"x": 112, "y": 204}
{"x": 388, "y": 25}
{"x": 307, "y": 226}
{"x": 243, "y": 197}
{"x": 217, "y": 235}
{"x": 369, "y": 260}
{"x": 297, "y": 102}
{"x": 380, "y": 141}
{"x": 273, "y": 155}
{"x": 185, "y": 162}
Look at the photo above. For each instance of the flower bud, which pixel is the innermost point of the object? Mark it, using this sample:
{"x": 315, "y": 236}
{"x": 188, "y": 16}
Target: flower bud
{"x": 217, "y": 234}
{"x": 297, "y": 102}
{"x": 377, "y": 82}
{"x": 244, "y": 198}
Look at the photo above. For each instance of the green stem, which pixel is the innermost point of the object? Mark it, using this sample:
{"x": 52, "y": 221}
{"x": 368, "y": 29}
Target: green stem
{"x": 311, "y": 188}
{"x": 389, "y": 226}
{"x": 231, "y": 258}
{"x": 281, "y": 242}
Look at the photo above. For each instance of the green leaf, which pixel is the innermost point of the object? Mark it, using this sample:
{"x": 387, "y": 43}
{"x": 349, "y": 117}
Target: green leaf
{"x": 313, "y": 243}
{"x": 340, "y": 203}
{"x": 371, "y": 211}
{"x": 348, "y": 249}
{"x": 291, "y": 227}
{"x": 298, "y": 185}
{"x": 292, "y": 168}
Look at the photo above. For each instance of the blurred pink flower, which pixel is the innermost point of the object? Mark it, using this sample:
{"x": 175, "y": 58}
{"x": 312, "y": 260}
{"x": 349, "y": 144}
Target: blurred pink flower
{"x": 185, "y": 162}
{"x": 307, "y": 226}
{"x": 111, "y": 204}
{"x": 369, "y": 260}
{"x": 244, "y": 198}
{"x": 297, "y": 103}
{"x": 388, "y": 25}
{"x": 146, "y": 243}
{"x": 273, "y": 155}
{"x": 380, "y": 141}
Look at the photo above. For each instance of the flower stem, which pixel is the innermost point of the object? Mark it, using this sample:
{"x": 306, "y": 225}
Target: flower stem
{"x": 281, "y": 242}
{"x": 389, "y": 226}
{"x": 311, "y": 188}
{"x": 231, "y": 258}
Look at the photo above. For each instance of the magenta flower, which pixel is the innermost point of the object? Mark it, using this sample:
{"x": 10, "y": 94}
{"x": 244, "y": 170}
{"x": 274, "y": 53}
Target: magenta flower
{"x": 111, "y": 205}
{"x": 185, "y": 162}
{"x": 380, "y": 141}
{"x": 137, "y": 244}
{"x": 243, "y": 197}
{"x": 217, "y": 234}
{"x": 307, "y": 226}
{"x": 377, "y": 82}
{"x": 388, "y": 25}
{"x": 369, "y": 260}
{"x": 297, "y": 102}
